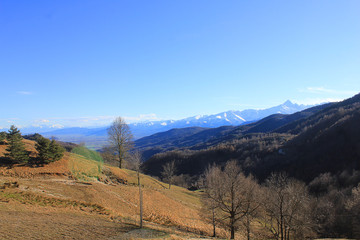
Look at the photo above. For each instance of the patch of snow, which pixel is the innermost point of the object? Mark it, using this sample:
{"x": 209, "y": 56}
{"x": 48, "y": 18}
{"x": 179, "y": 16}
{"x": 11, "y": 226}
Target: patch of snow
{"x": 197, "y": 117}
{"x": 187, "y": 122}
{"x": 163, "y": 124}
{"x": 205, "y": 121}
{"x": 218, "y": 117}
{"x": 239, "y": 117}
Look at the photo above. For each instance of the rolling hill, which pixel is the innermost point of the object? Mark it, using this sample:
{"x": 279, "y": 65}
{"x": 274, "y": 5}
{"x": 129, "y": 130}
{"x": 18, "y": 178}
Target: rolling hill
{"x": 73, "y": 199}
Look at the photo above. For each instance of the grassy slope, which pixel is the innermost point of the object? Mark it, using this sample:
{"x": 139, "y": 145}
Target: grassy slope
{"x": 175, "y": 211}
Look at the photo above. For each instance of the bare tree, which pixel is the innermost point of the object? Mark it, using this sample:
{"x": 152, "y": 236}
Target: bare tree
{"x": 287, "y": 206}
{"x": 353, "y": 205}
{"x": 210, "y": 206}
{"x": 252, "y": 205}
{"x": 232, "y": 192}
{"x": 108, "y": 154}
{"x": 120, "y": 138}
{"x": 136, "y": 163}
{"x": 169, "y": 172}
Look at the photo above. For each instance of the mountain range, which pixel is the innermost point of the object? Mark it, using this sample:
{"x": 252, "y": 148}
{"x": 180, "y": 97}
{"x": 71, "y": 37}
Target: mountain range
{"x": 319, "y": 140}
{"x": 96, "y": 137}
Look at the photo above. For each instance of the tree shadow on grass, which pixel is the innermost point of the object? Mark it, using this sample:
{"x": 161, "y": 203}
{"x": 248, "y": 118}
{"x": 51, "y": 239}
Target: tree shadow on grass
{"x": 6, "y": 162}
{"x": 33, "y": 162}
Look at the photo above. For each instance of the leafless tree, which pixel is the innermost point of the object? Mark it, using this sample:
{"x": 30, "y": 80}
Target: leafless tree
{"x": 353, "y": 205}
{"x": 136, "y": 162}
{"x": 287, "y": 206}
{"x": 108, "y": 154}
{"x": 210, "y": 211}
{"x": 168, "y": 172}
{"x": 120, "y": 138}
{"x": 252, "y": 205}
{"x": 232, "y": 192}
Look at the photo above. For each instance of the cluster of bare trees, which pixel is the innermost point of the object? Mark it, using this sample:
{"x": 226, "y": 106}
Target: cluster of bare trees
{"x": 353, "y": 205}
{"x": 230, "y": 196}
{"x": 281, "y": 206}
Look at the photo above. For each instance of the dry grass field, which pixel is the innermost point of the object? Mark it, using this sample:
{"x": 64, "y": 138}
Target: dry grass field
{"x": 73, "y": 199}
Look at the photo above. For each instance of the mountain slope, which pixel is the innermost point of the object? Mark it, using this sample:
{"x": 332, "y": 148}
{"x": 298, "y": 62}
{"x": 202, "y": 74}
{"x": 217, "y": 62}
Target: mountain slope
{"x": 203, "y": 138}
{"x": 305, "y": 144}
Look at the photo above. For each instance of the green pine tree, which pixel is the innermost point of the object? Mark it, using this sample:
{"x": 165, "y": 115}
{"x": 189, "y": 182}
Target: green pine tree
{"x": 2, "y": 137}
{"x": 16, "y": 149}
{"x": 56, "y": 151}
{"x": 43, "y": 148}
{"x": 48, "y": 151}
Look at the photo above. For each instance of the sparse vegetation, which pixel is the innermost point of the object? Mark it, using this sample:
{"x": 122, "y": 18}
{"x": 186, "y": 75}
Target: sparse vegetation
{"x": 136, "y": 163}
{"x": 89, "y": 166}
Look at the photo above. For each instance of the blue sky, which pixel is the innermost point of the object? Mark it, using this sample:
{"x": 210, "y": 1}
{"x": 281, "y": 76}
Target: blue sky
{"x": 81, "y": 63}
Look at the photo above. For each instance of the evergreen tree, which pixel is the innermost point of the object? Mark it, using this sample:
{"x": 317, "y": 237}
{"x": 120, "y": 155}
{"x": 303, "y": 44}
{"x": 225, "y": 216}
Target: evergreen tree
{"x": 43, "y": 148}
{"x": 16, "y": 149}
{"x": 2, "y": 137}
{"x": 56, "y": 151}
{"x": 49, "y": 151}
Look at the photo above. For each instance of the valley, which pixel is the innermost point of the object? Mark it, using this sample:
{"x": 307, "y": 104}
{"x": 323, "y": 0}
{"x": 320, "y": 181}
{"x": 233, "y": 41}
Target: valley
{"x": 101, "y": 201}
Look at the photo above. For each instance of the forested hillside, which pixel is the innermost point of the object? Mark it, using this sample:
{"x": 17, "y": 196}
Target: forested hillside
{"x": 321, "y": 139}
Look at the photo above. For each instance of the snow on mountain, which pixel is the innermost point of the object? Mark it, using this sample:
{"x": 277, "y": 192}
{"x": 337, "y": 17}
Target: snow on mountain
{"x": 208, "y": 121}
{"x": 216, "y": 120}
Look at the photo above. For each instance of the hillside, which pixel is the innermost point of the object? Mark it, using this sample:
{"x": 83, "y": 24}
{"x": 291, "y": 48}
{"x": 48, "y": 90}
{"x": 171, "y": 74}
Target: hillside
{"x": 305, "y": 144}
{"x": 202, "y": 138}
{"x": 80, "y": 202}
{"x": 177, "y": 138}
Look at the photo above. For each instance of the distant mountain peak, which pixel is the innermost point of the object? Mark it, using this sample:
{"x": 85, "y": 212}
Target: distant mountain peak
{"x": 228, "y": 118}
{"x": 288, "y": 102}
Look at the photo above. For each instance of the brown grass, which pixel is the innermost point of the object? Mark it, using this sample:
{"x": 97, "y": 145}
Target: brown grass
{"x": 60, "y": 186}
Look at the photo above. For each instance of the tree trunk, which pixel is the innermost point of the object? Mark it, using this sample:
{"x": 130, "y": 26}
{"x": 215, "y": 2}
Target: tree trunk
{"x": 232, "y": 232}
{"x": 232, "y": 225}
{"x": 248, "y": 227}
{"x": 141, "y": 201}
{"x": 281, "y": 223}
{"x": 120, "y": 161}
{"x": 213, "y": 222}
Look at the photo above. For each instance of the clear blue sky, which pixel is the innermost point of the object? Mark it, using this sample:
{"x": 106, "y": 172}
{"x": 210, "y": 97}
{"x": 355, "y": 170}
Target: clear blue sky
{"x": 84, "y": 62}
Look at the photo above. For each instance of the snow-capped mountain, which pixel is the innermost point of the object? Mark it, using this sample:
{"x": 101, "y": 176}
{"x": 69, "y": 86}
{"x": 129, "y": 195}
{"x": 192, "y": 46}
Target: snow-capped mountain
{"x": 147, "y": 128}
{"x": 217, "y": 120}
